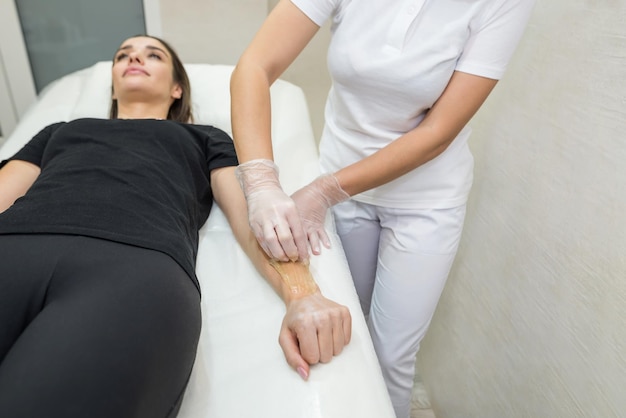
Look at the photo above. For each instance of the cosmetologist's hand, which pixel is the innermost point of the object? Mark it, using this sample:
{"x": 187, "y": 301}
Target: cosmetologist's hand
{"x": 272, "y": 214}
{"x": 313, "y": 201}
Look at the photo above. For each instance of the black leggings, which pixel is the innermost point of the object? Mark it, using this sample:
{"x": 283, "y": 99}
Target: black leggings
{"x": 93, "y": 328}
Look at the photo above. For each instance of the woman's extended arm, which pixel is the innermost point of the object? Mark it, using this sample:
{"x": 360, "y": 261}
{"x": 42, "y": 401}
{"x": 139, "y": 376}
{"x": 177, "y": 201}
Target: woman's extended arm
{"x": 272, "y": 214}
{"x": 16, "y": 177}
{"x": 314, "y": 328}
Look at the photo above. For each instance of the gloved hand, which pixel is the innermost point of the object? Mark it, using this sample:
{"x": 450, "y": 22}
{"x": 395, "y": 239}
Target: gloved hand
{"x": 312, "y": 201}
{"x": 272, "y": 214}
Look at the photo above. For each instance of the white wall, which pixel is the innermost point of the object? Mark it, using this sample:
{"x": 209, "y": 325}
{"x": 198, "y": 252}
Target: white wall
{"x": 533, "y": 320}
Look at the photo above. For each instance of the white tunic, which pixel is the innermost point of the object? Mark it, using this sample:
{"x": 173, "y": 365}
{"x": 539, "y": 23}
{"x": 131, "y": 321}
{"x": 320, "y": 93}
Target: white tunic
{"x": 390, "y": 61}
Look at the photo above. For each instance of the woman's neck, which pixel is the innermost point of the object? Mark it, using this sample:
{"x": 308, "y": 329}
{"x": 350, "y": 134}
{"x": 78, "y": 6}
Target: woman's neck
{"x": 142, "y": 111}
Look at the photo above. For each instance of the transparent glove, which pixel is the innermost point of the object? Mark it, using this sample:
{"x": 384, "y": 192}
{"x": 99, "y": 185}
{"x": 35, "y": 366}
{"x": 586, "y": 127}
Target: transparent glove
{"x": 272, "y": 214}
{"x": 312, "y": 201}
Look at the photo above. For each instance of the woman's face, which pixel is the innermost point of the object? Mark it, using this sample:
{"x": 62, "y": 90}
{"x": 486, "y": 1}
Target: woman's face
{"x": 142, "y": 69}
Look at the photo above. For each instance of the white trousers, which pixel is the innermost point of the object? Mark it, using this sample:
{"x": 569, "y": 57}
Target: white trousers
{"x": 399, "y": 260}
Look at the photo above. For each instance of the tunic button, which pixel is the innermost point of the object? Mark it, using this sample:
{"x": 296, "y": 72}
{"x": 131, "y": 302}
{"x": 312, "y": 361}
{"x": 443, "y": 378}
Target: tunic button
{"x": 411, "y": 10}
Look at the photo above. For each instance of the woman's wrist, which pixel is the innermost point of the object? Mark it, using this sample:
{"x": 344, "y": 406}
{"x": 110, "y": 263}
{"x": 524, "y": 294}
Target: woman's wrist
{"x": 296, "y": 279}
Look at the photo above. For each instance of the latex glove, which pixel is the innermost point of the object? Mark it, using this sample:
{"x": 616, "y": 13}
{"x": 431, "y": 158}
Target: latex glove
{"x": 314, "y": 330}
{"x": 272, "y": 214}
{"x": 312, "y": 201}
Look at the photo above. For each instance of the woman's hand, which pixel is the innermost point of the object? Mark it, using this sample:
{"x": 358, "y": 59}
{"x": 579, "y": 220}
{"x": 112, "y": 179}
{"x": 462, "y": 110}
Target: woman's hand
{"x": 313, "y": 331}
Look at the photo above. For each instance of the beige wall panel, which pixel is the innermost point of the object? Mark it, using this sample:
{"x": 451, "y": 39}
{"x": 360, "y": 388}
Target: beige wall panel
{"x": 533, "y": 320}
{"x": 211, "y": 31}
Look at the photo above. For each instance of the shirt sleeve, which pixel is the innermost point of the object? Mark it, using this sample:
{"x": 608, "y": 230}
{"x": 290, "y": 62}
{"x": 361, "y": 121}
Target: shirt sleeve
{"x": 319, "y": 10}
{"x": 33, "y": 151}
{"x": 220, "y": 150}
{"x": 494, "y": 38}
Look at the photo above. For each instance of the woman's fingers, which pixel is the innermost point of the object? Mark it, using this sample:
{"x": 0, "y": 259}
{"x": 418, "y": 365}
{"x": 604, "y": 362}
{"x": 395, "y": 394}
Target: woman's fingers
{"x": 314, "y": 330}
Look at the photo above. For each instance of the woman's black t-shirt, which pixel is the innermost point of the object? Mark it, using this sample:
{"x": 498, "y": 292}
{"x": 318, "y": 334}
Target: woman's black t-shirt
{"x": 143, "y": 182}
